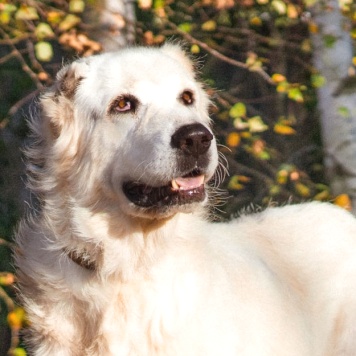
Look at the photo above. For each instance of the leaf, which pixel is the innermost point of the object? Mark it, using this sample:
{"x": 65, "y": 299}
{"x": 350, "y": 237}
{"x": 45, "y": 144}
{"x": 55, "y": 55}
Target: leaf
{"x": 283, "y": 129}
{"x": 256, "y": 21}
{"x": 283, "y": 87}
{"x": 76, "y": 6}
{"x": 144, "y": 4}
{"x": 329, "y": 40}
{"x": 343, "y": 201}
{"x": 43, "y": 30}
{"x": 26, "y": 13}
{"x": 186, "y": 27}
{"x": 69, "y": 22}
{"x": 302, "y": 190}
{"x": 54, "y": 17}
{"x": 19, "y": 351}
{"x": 317, "y": 80}
{"x": 233, "y": 139}
{"x": 240, "y": 124}
{"x": 209, "y": 26}
{"x": 343, "y": 111}
{"x": 195, "y": 49}
{"x": 256, "y": 124}
{"x": 6, "y": 279}
{"x": 278, "y": 78}
{"x": 16, "y": 318}
{"x": 279, "y": 6}
{"x": 237, "y": 182}
{"x": 238, "y": 110}
{"x": 292, "y": 11}
{"x": 296, "y": 95}
{"x": 44, "y": 51}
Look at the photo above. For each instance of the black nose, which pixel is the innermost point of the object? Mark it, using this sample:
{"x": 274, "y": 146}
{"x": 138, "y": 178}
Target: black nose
{"x": 192, "y": 139}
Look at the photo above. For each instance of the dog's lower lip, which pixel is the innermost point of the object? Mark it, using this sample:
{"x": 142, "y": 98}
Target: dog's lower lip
{"x": 183, "y": 190}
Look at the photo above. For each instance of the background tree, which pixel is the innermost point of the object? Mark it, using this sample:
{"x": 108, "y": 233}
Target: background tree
{"x": 264, "y": 65}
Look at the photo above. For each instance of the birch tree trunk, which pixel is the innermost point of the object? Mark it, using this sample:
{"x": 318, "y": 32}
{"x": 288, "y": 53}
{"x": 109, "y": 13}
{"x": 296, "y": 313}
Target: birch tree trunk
{"x": 337, "y": 98}
{"x": 115, "y": 23}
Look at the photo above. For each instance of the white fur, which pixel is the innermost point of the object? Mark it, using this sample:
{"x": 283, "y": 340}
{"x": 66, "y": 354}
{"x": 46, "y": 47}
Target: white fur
{"x": 281, "y": 282}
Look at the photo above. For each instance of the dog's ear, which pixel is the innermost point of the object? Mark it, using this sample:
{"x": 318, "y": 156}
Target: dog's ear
{"x": 57, "y": 102}
{"x": 176, "y": 52}
{"x": 69, "y": 77}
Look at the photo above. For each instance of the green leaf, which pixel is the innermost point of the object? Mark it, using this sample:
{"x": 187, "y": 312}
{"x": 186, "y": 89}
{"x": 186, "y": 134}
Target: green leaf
{"x": 317, "y": 80}
{"x": 186, "y": 27}
{"x": 343, "y": 111}
{"x": 329, "y": 40}
{"x": 296, "y": 95}
{"x": 238, "y": 110}
{"x": 43, "y": 30}
{"x": 44, "y": 51}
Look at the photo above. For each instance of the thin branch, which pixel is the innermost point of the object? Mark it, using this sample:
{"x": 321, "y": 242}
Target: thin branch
{"x": 219, "y": 55}
{"x": 24, "y": 65}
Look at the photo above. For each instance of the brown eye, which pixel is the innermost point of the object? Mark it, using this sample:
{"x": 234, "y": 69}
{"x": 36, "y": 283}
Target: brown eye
{"x": 126, "y": 103}
{"x": 187, "y": 97}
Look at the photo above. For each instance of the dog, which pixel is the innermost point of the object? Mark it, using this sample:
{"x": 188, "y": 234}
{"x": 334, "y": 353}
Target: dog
{"x": 120, "y": 258}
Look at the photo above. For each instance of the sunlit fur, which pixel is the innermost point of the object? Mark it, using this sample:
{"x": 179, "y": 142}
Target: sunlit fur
{"x": 275, "y": 283}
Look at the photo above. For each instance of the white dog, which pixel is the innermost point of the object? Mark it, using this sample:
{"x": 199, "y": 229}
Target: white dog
{"x": 121, "y": 260}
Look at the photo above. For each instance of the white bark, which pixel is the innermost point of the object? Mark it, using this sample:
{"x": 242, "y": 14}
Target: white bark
{"x": 116, "y": 19}
{"x": 336, "y": 99}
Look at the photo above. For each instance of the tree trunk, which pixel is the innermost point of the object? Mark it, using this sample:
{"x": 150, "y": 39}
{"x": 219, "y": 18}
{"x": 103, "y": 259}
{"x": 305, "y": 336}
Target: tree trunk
{"x": 337, "y": 98}
{"x": 114, "y": 23}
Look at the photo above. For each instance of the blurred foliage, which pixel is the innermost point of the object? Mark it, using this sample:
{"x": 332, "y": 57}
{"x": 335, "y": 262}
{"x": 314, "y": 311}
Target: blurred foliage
{"x": 258, "y": 69}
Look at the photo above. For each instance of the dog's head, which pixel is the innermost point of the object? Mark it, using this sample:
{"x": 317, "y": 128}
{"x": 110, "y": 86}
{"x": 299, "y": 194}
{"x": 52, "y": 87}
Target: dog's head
{"x": 131, "y": 128}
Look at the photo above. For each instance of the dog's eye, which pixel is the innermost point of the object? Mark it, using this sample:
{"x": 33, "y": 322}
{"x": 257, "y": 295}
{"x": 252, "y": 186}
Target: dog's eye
{"x": 124, "y": 103}
{"x": 187, "y": 97}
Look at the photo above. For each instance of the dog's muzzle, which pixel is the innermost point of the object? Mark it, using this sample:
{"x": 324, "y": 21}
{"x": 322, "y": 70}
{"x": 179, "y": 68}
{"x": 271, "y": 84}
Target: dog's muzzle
{"x": 192, "y": 143}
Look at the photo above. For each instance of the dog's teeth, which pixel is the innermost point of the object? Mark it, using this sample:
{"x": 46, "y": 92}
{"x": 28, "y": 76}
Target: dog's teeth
{"x": 175, "y": 185}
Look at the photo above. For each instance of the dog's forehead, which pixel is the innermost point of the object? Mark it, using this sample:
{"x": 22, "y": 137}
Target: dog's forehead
{"x": 148, "y": 75}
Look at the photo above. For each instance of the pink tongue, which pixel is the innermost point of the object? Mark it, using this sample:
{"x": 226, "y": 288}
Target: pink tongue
{"x": 189, "y": 182}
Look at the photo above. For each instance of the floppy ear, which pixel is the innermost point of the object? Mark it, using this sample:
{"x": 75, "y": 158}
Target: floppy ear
{"x": 57, "y": 102}
{"x": 176, "y": 52}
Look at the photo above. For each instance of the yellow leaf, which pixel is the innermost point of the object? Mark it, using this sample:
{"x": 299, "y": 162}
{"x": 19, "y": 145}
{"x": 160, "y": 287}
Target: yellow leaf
{"x": 233, "y": 139}
{"x": 302, "y": 189}
{"x": 344, "y": 201}
{"x": 292, "y": 11}
{"x": 313, "y": 27}
{"x": 195, "y": 49}
{"x": 69, "y": 22}
{"x": 16, "y": 318}
{"x": 256, "y": 21}
{"x": 278, "y": 78}
{"x": 209, "y": 26}
{"x": 6, "y": 279}
{"x": 283, "y": 129}
{"x": 235, "y": 183}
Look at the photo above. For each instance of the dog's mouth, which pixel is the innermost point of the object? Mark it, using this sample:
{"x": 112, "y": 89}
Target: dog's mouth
{"x": 182, "y": 190}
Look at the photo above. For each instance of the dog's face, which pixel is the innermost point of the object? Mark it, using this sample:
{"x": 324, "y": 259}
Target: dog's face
{"x": 136, "y": 129}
